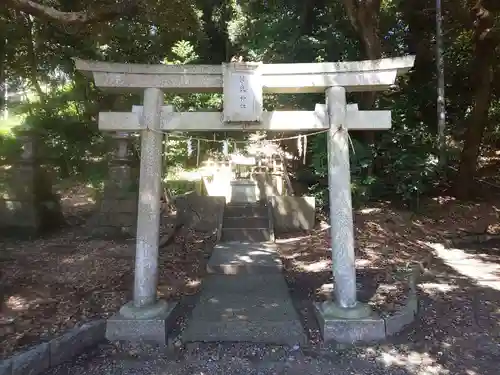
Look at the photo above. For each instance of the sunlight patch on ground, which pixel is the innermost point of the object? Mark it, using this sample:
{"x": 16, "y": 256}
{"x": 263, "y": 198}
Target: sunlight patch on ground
{"x": 368, "y": 211}
{"x": 293, "y": 256}
{"x": 388, "y": 287}
{"x": 444, "y": 199}
{"x": 292, "y": 239}
{"x": 243, "y": 258}
{"x": 362, "y": 262}
{"x": 321, "y": 266}
{"x": 193, "y": 283}
{"x": 432, "y": 288}
{"x": 470, "y": 265}
{"x": 73, "y": 259}
{"x": 322, "y": 228}
{"x": 17, "y": 303}
{"x": 83, "y": 200}
{"x": 323, "y": 225}
{"x": 326, "y": 289}
{"x": 80, "y": 204}
{"x": 414, "y": 362}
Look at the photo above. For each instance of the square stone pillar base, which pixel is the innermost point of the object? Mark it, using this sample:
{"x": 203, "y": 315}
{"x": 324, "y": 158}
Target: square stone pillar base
{"x": 361, "y": 324}
{"x": 349, "y": 326}
{"x": 145, "y": 325}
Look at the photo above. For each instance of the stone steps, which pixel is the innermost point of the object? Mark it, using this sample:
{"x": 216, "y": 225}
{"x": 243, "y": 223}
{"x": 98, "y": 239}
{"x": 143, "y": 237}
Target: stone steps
{"x": 239, "y": 308}
{"x": 245, "y": 210}
{"x": 246, "y": 234}
{"x": 246, "y": 222}
{"x": 245, "y": 283}
{"x": 245, "y": 308}
{"x": 237, "y": 222}
{"x": 245, "y": 259}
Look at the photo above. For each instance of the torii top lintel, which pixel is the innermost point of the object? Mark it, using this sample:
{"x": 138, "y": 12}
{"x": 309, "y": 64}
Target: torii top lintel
{"x": 369, "y": 75}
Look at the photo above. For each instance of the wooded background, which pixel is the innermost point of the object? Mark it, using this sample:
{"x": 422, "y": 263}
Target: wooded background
{"x": 39, "y": 38}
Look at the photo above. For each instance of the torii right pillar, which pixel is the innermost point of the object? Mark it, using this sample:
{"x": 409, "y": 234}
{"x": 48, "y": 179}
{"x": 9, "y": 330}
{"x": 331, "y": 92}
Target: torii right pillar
{"x": 343, "y": 319}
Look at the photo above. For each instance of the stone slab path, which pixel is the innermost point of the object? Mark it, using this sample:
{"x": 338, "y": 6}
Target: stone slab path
{"x": 245, "y": 299}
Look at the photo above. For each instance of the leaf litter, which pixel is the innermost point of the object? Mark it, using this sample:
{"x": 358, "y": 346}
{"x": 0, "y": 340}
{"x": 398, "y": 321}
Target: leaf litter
{"x": 55, "y": 282}
{"x": 389, "y": 243}
{"x": 50, "y": 284}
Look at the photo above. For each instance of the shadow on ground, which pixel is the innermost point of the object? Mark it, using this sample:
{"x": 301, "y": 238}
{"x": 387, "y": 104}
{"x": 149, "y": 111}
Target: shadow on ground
{"x": 457, "y": 331}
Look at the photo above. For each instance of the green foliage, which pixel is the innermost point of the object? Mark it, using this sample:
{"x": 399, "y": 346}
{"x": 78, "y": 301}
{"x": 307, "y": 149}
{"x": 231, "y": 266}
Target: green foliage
{"x": 70, "y": 139}
{"x": 179, "y": 187}
{"x": 184, "y": 52}
{"x": 406, "y": 167}
{"x": 9, "y": 146}
{"x": 176, "y": 153}
{"x": 400, "y": 164}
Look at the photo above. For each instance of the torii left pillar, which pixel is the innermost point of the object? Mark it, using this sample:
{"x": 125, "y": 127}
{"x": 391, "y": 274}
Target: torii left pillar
{"x": 145, "y": 318}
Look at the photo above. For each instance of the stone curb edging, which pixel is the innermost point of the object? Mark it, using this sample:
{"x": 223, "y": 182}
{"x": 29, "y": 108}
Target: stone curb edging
{"x": 271, "y": 219}
{"x": 396, "y": 322}
{"x": 220, "y": 220}
{"x": 56, "y": 351}
{"x": 402, "y": 318}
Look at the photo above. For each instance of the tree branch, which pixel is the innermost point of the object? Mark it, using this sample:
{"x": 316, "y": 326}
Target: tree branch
{"x": 85, "y": 17}
{"x": 351, "y": 7}
{"x": 484, "y": 23}
{"x": 32, "y": 58}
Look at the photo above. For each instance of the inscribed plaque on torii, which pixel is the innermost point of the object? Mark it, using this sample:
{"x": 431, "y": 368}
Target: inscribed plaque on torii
{"x": 242, "y": 92}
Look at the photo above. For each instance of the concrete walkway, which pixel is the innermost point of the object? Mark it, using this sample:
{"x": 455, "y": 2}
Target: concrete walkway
{"x": 245, "y": 299}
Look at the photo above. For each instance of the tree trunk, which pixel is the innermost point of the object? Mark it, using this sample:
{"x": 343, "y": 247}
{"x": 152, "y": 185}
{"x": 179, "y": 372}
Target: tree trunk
{"x": 364, "y": 18}
{"x": 119, "y": 9}
{"x": 3, "y": 78}
{"x": 32, "y": 58}
{"x": 486, "y": 40}
{"x": 216, "y": 14}
{"x": 307, "y": 16}
{"x": 419, "y": 44}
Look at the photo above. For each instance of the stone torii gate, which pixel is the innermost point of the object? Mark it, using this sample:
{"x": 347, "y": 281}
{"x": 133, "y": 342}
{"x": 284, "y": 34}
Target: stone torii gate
{"x": 243, "y": 85}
